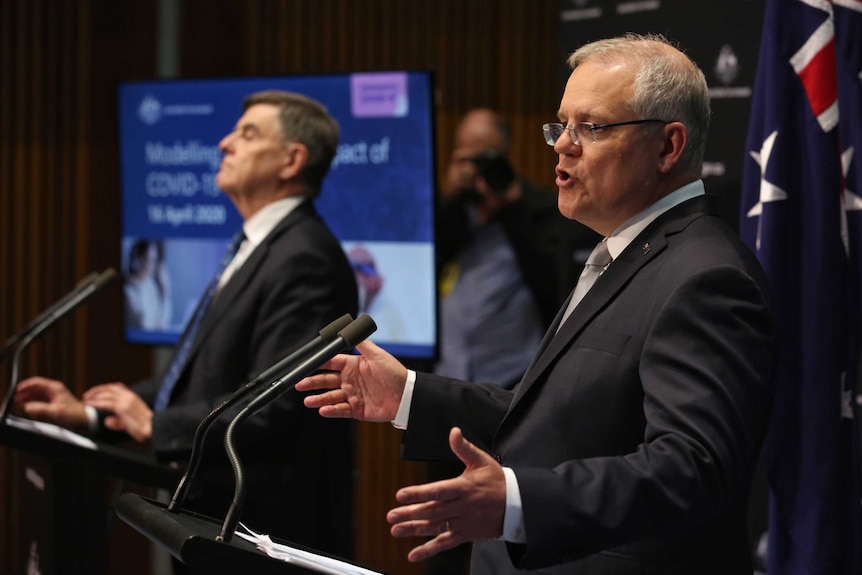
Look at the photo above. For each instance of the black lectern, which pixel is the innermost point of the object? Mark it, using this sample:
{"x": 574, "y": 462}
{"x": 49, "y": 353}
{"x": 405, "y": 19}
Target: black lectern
{"x": 206, "y": 545}
{"x": 112, "y": 459}
{"x": 64, "y": 493}
{"x": 191, "y": 538}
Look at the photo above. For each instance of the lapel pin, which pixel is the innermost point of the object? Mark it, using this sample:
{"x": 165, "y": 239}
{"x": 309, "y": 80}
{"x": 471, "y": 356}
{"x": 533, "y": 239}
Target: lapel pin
{"x": 646, "y": 248}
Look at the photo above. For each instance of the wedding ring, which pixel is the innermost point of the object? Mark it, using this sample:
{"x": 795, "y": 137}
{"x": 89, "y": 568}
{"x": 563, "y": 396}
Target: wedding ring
{"x": 447, "y": 525}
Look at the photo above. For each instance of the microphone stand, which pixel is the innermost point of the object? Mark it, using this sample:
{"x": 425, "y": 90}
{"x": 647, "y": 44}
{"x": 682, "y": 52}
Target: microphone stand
{"x": 65, "y": 306}
{"x": 347, "y": 339}
{"x": 327, "y": 335}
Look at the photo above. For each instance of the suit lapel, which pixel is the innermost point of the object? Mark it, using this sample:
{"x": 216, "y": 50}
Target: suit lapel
{"x": 549, "y": 336}
{"x": 236, "y": 285}
{"x": 646, "y": 247}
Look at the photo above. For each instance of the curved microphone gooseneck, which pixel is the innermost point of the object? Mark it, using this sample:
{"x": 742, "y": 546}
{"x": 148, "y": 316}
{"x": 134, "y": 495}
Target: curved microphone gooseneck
{"x": 66, "y": 305}
{"x": 326, "y": 335}
{"x": 357, "y": 331}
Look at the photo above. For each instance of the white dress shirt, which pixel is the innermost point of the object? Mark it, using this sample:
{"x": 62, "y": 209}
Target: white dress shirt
{"x": 256, "y": 228}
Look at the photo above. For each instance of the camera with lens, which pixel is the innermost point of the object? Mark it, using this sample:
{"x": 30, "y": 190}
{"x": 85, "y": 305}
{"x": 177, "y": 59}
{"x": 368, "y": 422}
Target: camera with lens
{"x": 495, "y": 169}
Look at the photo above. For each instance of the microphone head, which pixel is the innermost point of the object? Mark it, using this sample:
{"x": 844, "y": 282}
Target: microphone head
{"x": 330, "y": 332}
{"x": 106, "y": 277}
{"x": 358, "y": 330}
{"x": 87, "y": 280}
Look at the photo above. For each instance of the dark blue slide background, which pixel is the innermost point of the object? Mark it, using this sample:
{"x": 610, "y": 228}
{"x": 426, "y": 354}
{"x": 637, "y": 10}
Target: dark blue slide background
{"x": 390, "y": 201}
{"x": 379, "y": 189}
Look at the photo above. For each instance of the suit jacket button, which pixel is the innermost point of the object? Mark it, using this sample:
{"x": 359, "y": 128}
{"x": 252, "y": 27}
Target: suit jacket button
{"x": 499, "y": 458}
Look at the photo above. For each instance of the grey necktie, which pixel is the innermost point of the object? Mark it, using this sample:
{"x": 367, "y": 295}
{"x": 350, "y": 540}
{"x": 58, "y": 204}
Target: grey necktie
{"x": 596, "y": 264}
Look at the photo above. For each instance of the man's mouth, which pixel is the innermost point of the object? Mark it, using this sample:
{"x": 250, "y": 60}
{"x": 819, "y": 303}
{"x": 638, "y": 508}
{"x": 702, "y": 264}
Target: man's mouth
{"x": 562, "y": 176}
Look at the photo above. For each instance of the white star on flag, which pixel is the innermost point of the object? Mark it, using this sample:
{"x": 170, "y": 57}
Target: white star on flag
{"x": 769, "y": 192}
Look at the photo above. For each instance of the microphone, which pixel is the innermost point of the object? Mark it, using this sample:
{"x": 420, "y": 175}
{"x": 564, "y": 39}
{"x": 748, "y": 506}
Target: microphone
{"x": 326, "y": 336}
{"x": 15, "y": 338}
{"x": 52, "y": 315}
{"x": 356, "y": 332}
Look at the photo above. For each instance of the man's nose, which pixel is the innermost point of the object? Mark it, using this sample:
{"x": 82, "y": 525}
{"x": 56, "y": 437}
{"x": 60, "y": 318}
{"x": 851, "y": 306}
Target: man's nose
{"x": 566, "y": 146}
{"x": 225, "y": 143}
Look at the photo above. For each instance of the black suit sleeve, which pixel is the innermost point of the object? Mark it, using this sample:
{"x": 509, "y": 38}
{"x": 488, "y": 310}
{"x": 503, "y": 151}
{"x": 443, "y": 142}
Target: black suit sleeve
{"x": 440, "y": 403}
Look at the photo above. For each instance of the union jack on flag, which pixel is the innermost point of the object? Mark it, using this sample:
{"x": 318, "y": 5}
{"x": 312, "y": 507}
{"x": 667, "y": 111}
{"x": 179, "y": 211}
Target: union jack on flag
{"x": 801, "y": 212}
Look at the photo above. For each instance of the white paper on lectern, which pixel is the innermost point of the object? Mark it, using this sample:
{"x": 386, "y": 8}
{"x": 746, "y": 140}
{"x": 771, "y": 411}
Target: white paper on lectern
{"x": 302, "y": 558}
{"x": 50, "y": 430}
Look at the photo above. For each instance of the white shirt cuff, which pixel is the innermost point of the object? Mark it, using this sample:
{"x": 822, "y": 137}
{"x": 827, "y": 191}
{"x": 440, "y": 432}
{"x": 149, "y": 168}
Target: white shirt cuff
{"x": 513, "y": 521}
{"x": 403, "y": 413}
{"x": 92, "y": 418}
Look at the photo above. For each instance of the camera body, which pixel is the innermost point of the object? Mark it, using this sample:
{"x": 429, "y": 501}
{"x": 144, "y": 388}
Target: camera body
{"x": 495, "y": 169}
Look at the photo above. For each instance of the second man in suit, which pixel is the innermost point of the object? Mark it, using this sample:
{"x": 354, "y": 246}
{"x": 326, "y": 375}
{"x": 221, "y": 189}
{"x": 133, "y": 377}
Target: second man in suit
{"x": 288, "y": 279}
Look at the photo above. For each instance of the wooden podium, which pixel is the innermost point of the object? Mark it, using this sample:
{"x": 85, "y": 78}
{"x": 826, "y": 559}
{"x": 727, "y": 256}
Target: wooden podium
{"x": 64, "y": 494}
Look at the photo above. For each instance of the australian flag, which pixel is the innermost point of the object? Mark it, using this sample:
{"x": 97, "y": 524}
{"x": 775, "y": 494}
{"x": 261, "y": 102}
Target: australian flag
{"x": 802, "y": 214}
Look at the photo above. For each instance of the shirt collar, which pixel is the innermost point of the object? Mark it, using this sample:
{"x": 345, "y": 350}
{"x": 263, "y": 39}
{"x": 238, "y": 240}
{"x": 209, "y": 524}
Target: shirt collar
{"x": 258, "y": 226}
{"x": 619, "y": 240}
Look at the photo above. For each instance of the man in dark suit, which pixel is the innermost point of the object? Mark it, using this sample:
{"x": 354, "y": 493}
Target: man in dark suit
{"x": 630, "y": 443}
{"x": 288, "y": 279}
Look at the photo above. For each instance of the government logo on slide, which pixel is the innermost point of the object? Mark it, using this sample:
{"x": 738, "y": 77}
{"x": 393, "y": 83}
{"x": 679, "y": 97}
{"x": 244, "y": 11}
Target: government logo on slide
{"x": 150, "y": 110}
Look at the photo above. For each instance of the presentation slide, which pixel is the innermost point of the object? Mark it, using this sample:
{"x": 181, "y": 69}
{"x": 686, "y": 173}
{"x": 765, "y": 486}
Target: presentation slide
{"x": 378, "y": 197}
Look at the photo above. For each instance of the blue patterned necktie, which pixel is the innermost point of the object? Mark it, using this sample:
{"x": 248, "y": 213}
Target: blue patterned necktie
{"x": 178, "y": 362}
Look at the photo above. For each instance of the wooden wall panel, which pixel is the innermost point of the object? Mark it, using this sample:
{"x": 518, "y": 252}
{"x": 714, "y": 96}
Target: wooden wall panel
{"x": 59, "y": 65}
{"x": 34, "y": 205}
{"x": 483, "y": 53}
{"x": 60, "y": 62}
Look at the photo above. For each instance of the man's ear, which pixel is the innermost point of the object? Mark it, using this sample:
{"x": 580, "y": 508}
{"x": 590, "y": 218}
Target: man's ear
{"x": 675, "y": 141}
{"x": 295, "y": 156}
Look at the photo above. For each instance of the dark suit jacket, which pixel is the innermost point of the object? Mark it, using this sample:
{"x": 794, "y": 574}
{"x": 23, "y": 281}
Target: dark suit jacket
{"x": 298, "y": 465}
{"x": 635, "y": 431}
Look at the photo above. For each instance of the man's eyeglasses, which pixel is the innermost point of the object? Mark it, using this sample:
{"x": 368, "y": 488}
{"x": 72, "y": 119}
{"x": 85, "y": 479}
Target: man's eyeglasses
{"x": 583, "y": 131}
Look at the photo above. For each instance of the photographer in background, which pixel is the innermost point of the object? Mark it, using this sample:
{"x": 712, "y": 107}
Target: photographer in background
{"x": 504, "y": 256}
{"x": 507, "y": 260}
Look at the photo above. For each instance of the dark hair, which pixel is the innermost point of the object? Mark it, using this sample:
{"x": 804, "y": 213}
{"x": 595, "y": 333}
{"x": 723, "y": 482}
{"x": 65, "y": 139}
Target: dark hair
{"x": 138, "y": 253}
{"x": 307, "y": 122}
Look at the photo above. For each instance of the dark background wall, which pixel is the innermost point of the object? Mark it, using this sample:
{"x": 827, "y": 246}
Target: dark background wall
{"x": 60, "y": 64}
